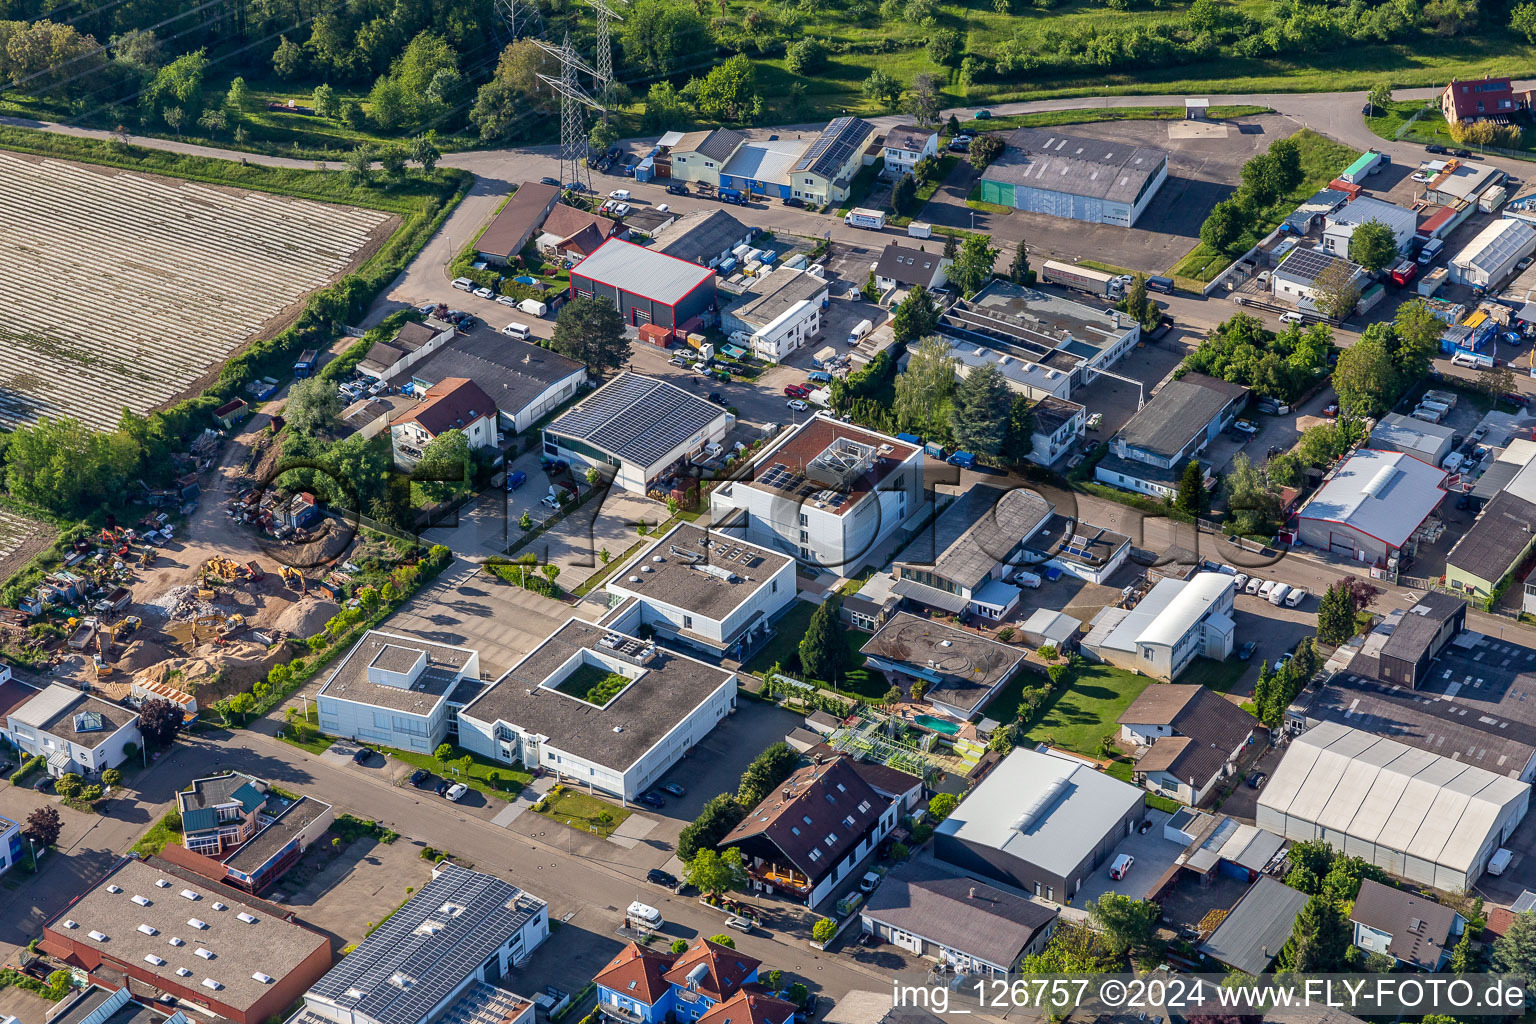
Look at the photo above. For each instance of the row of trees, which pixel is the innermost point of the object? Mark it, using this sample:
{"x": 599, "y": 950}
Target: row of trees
{"x": 1340, "y": 606}
{"x": 1277, "y": 687}
{"x": 1229, "y": 228}
{"x": 1389, "y": 357}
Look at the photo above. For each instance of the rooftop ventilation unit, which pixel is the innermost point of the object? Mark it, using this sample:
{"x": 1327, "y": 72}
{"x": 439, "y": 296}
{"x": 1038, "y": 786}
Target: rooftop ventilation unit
{"x": 158, "y": 961}
{"x": 149, "y": 929}
{"x": 162, "y": 883}
{"x": 840, "y": 463}
{"x": 686, "y": 554}
{"x": 141, "y": 901}
{"x": 98, "y": 936}
{"x": 204, "y": 952}
{"x": 719, "y": 572}
{"x": 247, "y": 918}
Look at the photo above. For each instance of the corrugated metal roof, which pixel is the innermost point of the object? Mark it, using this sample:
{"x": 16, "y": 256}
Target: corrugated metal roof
{"x": 1388, "y": 507}
{"x": 641, "y": 271}
{"x": 1498, "y": 244}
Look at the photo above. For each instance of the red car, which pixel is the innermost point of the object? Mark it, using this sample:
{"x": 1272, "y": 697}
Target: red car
{"x": 797, "y": 391}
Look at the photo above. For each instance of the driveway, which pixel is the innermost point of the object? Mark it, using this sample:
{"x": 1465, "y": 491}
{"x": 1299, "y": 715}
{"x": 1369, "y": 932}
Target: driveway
{"x": 1154, "y": 856}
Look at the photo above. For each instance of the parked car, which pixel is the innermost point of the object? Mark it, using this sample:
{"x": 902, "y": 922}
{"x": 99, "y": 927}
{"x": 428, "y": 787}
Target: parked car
{"x": 483, "y": 293}
{"x": 1280, "y": 661}
{"x": 1420, "y": 177}
{"x": 442, "y": 787}
{"x": 1462, "y": 154}
{"x": 1246, "y": 427}
{"x": 677, "y": 190}
{"x": 1515, "y": 398}
{"x": 797, "y": 405}
{"x": 675, "y": 788}
{"x": 1295, "y": 597}
{"x": 718, "y": 398}
{"x": 796, "y": 390}
{"x": 1245, "y": 652}
{"x": 869, "y": 881}
{"x": 516, "y": 479}
{"x": 651, "y": 798}
{"x": 620, "y": 194}
{"x": 554, "y": 467}
{"x": 1253, "y": 586}
{"x": 793, "y": 201}
{"x": 1256, "y": 780}
{"x": 547, "y": 180}
{"x": 1291, "y": 318}
{"x": 1240, "y": 580}
{"x": 456, "y": 792}
{"x": 741, "y": 924}
{"x": 656, "y": 876}
{"x": 360, "y": 755}
{"x": 1432, "y": 148}
{"x": 419, "y": 777}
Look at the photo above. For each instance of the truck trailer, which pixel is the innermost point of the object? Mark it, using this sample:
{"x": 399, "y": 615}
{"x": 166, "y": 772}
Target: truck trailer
{"x": 874, "y": 220}
{"x": 1109, "y": 286}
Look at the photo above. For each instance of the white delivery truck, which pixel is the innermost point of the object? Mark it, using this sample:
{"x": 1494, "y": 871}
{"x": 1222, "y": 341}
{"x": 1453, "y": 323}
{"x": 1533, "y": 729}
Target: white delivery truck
{"x": 860, "y": 331}
{"x": 533, "y": 307}
{"x": 874, "y": 220}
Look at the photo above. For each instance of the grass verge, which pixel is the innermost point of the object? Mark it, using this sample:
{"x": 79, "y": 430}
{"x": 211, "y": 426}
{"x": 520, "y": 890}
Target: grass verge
{"x": 582, "y": 812}
{"x": 502, "y": 781}
{"x": 304, "y": 732}
{"x": 166, "y": 830}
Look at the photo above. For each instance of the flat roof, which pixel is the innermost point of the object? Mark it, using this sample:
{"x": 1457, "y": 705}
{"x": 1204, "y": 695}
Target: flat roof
{"x": 424, "y": 950}
{"x": 86, "y": 1004}
{"x": 67, "y": 713}
{"x": 1114, "y": 171}
{"x": 1365, "y": 208}
{"x": 1180, "y": 411}
{"x": 615, "y": 735}
{"x": 438, "y": 680}
{"x": 708, "y": 574}
{"x": 637, "y": 419}
{"x": 978, "y": 530}
{"x": 641, "y": 271}
{"x": 265, "y": 944}
{"x": 1042, "y": 809}
{"x": 965, "y": 668}
{"x": 784, "y": 468}
{"x": 1385, "y": 495}
{"x": 765, "y": 160}
{"x": 276, "y": 834}
{"x": 1410, "y": 435}
{"x": 512, "y": 373}
{"x": 776, "y": 294}
{"x": 1254, "y": 930}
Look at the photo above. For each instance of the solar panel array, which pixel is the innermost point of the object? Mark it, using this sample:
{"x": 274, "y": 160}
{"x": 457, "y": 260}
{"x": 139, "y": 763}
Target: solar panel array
{"x": 637, "y": 419}
{"x": 1307, "y": 264}
{"x": 834, "y": 146}
{"x": 781, "y": 478}
{"x": 427, "y": 948}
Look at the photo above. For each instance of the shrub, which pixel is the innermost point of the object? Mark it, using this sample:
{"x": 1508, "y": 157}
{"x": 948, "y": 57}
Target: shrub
{"x": 823, "y": 930}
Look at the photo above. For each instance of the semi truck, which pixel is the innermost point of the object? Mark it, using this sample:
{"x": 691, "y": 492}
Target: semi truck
{"x": 874, "y": 220}
{"x": 1109, "y": 286}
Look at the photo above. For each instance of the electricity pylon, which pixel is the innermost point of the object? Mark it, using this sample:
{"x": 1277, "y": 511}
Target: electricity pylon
{"x": 573, "y": 133}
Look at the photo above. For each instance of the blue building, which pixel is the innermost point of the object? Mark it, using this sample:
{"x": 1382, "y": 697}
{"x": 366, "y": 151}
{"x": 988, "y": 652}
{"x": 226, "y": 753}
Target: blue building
{"x": 10, "y": 843}
{"x": 645, "y": 986}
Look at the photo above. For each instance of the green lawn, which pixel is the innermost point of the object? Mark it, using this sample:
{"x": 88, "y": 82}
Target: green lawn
{"x": 1086, "y": 115}
{"x": 1220, "y": 676}
{"x": 582, "y": 812}
{"x": 1081, "y": 716}
{"x": 490, "y": 777}
{"x": 166, "y": 830}
{"x": 314, "y": 741}
{"x": 784, "y": 649}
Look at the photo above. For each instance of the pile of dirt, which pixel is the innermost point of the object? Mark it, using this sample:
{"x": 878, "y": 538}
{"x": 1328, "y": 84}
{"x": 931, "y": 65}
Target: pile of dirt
{"x": 180, "y": 604}
{"x": 305, "y": 617}
{"x": 140, "y": 655}
{"x": 214, "y": 671}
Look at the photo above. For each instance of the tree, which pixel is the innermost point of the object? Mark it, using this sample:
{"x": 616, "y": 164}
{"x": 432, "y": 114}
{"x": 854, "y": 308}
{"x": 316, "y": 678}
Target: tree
{"x": 985, "y": 148}
{"x": 507, "y": 101}
{"x": 718, "y": 816}
{"x": 1522, "y": 20}
{"x": 663, "y": 37}
{"x": 1073, "y": 949}
{"x": 1260, "y": 181}
{"x": 1373, "y": 245}
{"x": 1224, "y": 225}
{"x": 1191, "y": 498}
{"x": 1126, "y": 924}
{"x": 1514, "y": 952}
{"x": 823, "y": 930}
{"x": 1496, "y": 380}
{"x": 68, "y": 784}
{"x": 446, "y": 466}
{"x": 1335, "y": 292}
{"x": 392, "y": 162}
{"x": 728, "y": 91}
{"x": 602, "y": 134}
{"x": 823, "y": 651}
{"x": 1018, "y": 270}
{"x": 325, "y": 101}
{"x": 983, "y": 403}
{"x": 1019, "y": 440}
{"x": 1285, "y": 164}
{"x": 1335, "y": 617}
{"x": 425, "y": 153}
{"x": 973, "y": 265}
{"x": 926, "y": 103}
{"x": 904, "y": 193}
{"x": 288, "y": 59}
{"x": 1464, "y": 958}
{"x": 1365, "y": 376}
{"x": 43, "y": 825}
{"x": 665, "y": 108}
{"x": 1139, "y": 306}
{"x": 591, "y": 331}
{"x": 943, "y": 805}
{"x": 805, "y": 56}
{"x": 944, "y": 49}
{"x": 716, "y": 873}
{"x": 159, "y": 721}
{"x": 111, "y": 777}
{"x": 916, "y": 315}
{"x": 360, "y": 164}
{"x": 775, "y": 764}
{"x": 174, "y": 117}
{"x": 924, "y": 389}
{"x": 312, "y": 406}
{"x": 1381, "y": 94}
{"x": 882, "y": 89}
{"x": 723, "y": 940}
{"x": 239, "y": 100}
{"x": 1320, "y": 939}
{"x": 138, "y": 49}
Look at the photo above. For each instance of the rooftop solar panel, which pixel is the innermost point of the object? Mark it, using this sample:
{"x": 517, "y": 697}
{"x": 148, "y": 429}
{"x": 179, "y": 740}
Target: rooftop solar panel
{"x": 637, "y": 419}
{"x": 834, "y": 146}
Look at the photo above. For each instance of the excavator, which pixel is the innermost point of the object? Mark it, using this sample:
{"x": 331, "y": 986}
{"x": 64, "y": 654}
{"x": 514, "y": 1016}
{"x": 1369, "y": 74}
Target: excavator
{"x": 294, "y": 579}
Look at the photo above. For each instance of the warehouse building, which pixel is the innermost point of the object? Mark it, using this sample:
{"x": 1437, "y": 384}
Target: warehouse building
{"x": 697, "y": 156}
{"x": 638, "y": 428}
{"x": 598, "y": 708}
{"x": 647, "y": 287}
{"x": 1494, "y": 254}
{"x": 1150, "y": 452}
{"x": 763, "y": 167}
{"x": 524, "y": 381}
{"x": 1419, "y": 816}
{"x": 513, "y": 227}
{"x": 1045, "y": 171}
{"x": 1041, "y": 823}
{"x": 1303, "y": 270}
{"x": 1339, "y": 226}
{"x": 1427, "y": 442}
{"x": 1372, "y": 506}
{"x": 782, "y": 314}
{"x": 705, "y": 237}
{"x": 157, "y": 928}
{"x": 1497, "y": 544}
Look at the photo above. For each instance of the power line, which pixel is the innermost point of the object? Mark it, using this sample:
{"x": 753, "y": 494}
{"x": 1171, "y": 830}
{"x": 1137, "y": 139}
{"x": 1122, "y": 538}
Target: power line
{"x": 573, "y": 135}
{"x": 605, "y": 14}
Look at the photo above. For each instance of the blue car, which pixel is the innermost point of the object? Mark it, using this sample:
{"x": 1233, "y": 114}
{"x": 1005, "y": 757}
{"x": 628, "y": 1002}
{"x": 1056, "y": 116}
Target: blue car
{"x": 516, "y": 479}
{"x": 1511, "y": 338}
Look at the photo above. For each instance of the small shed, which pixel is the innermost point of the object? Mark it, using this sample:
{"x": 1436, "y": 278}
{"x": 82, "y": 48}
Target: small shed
{"x": 1197, "y": 109}
{"x": 1050, "y": 627}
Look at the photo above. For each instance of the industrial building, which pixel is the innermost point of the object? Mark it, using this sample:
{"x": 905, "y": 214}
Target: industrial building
{"x": 709, "y": 591}
{"x": 1493, "y": 255}
{"x": 1101, "y": 182}
{"x": 1372, "y": 506}
{"x": 1091, "y": 553}
{"x": 705, "y": 237}
{"x": 1041, "y": 823}
{"x": 1427, "y": 442}
{"x": 1044, "y": 345}
{"x": 824, "y": 173}
{"x": 963, "y": 671}
{"x": 761, "y": 167}
{"x": 437, "y": 959}
{"x": 525, "y": 381}
{"x": 1339, "y": 226}
{"x": 152, "y": 926}
{"x": 412, "y": 343}
{"x": 398, "y": 691}
{"x": 647, "y": 287}
{"x": 779, "y": 316}
{"x": 637, "y": 429}
{"x": 514, "y": 225}
{"x": 1150, "y": 452}
{"x": 237, "y": 830}
{"x": 76, "y": 732}
{"x": 1303, "y": 270}
{"x": 1495, "y": 546}
{"x": 826, "y": 492}
{"x": 697, "y": 156}
{"x": 598, "y": 708}
{"x": 454, "y": 403}
{"x": 1420, "y": 816}
{"x": 1177, "y": 621}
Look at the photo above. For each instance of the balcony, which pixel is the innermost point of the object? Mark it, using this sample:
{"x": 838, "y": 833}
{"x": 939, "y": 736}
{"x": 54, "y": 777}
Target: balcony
{"x": 781, "y": 879}
{"x": 613, "y": 1011}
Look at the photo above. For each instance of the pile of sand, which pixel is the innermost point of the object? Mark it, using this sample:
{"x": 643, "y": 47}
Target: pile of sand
{"x": 305, "y": 617}
{"x": 213, "y": 671}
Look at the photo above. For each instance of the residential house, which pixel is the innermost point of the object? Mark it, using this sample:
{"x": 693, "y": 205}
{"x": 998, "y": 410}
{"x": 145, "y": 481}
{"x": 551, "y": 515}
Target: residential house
{"x": 1059, "y": 426}
{"x": 514, "y": 225}
{"x": 700, "y": 156}
{"x": 1175, "y": 622}
{"x": 455, "y": 403}
{"x": 824, "y": 174}
{"x": 1150, "y": 452}
{"x": 904, "y": 267}
{"x": 398, "y": 691}
{"x": 413, "y": 342}
{"x": 76, "y": 732}
{"x": 237, "y": 830}
{"x": 813, "y": 832}
{"x": 645, "y": 986}
{"x": 1478, "y": 100}
{"x": 1091, "y": 553}
{"x": 1189, "y": 737}
{"x": 1415, "y": 931}
{"x": 961, "y": 670}
{"x": 905, "y": 145}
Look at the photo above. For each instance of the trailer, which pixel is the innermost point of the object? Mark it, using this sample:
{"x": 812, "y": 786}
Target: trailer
{"x": 873, "y": 220}
{"x": 1109, "y": 286}
{"x": 918, "y": 229}
{"x": 308, "y": 360}
{"x": 1365, "y": 165}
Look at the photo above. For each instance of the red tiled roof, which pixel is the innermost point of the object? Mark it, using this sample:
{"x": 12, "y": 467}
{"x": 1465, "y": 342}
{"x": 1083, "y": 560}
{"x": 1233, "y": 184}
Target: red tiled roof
{"x": 726, "y": 971}
{"x": 454, "y": 402}
{"x": 750, "y": 1008}
{"x": 1499, "y": 920}
{"x": 638, "y": 972}
{"x": 566, "y": 221}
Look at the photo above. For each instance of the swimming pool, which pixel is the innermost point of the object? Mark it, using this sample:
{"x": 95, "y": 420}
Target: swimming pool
{"x": 933, "y": 724}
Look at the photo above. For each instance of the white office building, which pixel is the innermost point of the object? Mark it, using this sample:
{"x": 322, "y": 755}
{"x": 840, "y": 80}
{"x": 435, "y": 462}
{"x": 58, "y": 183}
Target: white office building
{"x": 1339, "y": 226}
{"x": 1174, "y": 623}
{"x": 76, "y": 732}
{"x": 398, "y": 691}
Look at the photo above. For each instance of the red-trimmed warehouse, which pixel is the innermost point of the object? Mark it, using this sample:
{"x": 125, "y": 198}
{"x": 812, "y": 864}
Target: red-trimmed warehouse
{"x": 647, "y": 287}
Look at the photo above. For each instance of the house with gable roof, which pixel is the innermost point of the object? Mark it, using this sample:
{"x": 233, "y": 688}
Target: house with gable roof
{"x": 706, "y": 982}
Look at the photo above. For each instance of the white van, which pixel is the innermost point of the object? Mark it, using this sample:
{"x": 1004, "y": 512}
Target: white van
{"x": 1277, "y": 596}
{"x": 859, "y": 332}
{"x": 1466, "y": 359}
{"x": 1499, "y": 861}
{"x": 464, "y": 284}
{"x": 519, "y": 331}
{"x": 644, "y": 914}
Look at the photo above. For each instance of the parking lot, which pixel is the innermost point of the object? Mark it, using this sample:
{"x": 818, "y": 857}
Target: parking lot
{"x": 1203, "y": 168}
{"x": 1154, "y": 856}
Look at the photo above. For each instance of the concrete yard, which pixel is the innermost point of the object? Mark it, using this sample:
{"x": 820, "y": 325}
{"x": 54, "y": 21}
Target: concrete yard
{"x": 1154, "y": 855}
